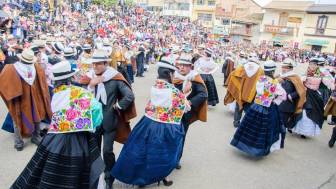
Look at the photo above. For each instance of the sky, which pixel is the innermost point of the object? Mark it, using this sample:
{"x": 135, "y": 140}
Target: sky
{"x": 264, "y": 2}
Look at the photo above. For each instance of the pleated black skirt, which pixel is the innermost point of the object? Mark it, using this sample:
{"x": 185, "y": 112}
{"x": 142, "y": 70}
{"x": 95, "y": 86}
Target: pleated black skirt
{"x": 212, "y": 90}
{"x": 63, "y": 161}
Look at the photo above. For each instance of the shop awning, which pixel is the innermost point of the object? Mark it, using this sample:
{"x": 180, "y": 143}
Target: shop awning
{"x": 316, "y": 42}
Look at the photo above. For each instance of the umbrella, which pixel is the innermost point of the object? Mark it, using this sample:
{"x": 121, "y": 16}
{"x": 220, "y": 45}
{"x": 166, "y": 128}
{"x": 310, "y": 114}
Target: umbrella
{"x": 14, "y": 4}
{"x": 3, "y": 14}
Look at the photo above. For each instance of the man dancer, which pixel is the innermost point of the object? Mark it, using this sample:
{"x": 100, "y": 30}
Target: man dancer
{"x": 186, "y": 79}
{"x": 24, "y": 89}
{"x": 296, "y": 95}
{"x": 241, "y": 87}
{"x": 295, "y": 90}
{"x": 117, "y": 98}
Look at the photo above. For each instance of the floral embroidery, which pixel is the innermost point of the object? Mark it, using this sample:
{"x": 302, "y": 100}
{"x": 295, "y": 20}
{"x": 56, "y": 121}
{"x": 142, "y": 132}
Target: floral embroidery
{"x": 172, "y": 114}
{"x": 78, "y": 117}
{"x": 266, "y": 96}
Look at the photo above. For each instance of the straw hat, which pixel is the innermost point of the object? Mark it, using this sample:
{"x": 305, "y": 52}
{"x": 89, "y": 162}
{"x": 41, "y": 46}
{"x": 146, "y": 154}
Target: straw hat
{"x": 184, "y": 59}
{"x": 86, "y": 47}
{"x": 269, "y": 65}
{"x": 28, "y": 56}
{"x": 100, "y": 56}
{"x": 68, "y": 51}
{"x": 62, "y": 70}
{"x": 166, "y": 62}
{"x": 58, "y": 47}
{"x": 288, "y": 62}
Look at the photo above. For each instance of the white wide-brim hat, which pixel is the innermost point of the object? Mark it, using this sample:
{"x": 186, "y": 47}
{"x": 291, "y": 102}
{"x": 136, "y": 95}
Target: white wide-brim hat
{"x": 68, "y": 52}
{"x": 166, "y": 62}
{"x": 62, "y": 70}
{"x": 100, "y": 56}
{"x": 184, "y": 59}
{"x": 27, "y": 56}
{"x": 269, "y": 65}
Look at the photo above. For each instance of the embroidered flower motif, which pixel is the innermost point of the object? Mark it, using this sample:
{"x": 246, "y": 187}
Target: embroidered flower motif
{"x": 164, "y": 117}
{"x": 74, "y": 93}
{"x": 84, "y": 104}
{"x": 80, "y": 123}
{"x": 71, "y": 114}
{"x": 172, "y": 114}
{"x": 64, "y": 126}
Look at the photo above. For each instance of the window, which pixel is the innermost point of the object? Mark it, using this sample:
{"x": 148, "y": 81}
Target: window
{"x": 183, "y": 6}
{"x": 321, "y": 24}
{"x": 204, "y": 17}
{"x": 283, "y": 19}
{"x": 211, "y": 3}
{"x": 226, "y": 22}
{"x": 200, "y": 2}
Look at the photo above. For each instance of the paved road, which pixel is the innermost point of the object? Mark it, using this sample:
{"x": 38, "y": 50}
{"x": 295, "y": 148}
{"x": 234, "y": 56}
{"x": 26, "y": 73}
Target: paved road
{"x": 209, "y": 161}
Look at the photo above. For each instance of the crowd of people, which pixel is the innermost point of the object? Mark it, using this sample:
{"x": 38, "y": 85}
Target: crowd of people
{"x": 66, "y": 79}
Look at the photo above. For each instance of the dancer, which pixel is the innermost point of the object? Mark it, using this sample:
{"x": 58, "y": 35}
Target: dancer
{"x": 154, "y": 146}
{"x": 296, "y": 94}
{"x": 68, "y": 156}
{"x": 186, "y": 78}
{"x": 260, "y": 129}
{"x": 117, "y": 98}
{"x": 24, "y": 89}
{"x": 311, "y": 119}
{"x": 206, "y": 66}
{"x": 241, "y": 87}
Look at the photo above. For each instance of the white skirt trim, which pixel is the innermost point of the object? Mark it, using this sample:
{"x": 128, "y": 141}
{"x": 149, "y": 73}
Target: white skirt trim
{"x": 306, "y": 126}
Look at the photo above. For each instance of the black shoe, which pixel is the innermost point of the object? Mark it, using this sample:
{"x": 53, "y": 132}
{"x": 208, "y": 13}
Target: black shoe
{"x": 166, "y": 182}
{"x": 36, "y": 140}
{"x": 302, "y": 136}
{"x": 290, "y": 131}
{"x": 43, "y": 132}
{"x": 333, "y": 138}
{"x": 19, "y": 147}
{"x": 178, "y": 167}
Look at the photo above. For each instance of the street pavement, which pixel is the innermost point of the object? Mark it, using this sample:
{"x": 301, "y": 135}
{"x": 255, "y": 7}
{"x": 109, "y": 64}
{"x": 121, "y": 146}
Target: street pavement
{"x": 209, "y": 161}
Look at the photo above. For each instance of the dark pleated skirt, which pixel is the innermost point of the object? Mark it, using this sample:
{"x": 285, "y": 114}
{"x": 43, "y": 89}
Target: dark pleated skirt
{"x": 150, "y": 154}
{"x": 258, "y": 131}
{"x": 212, "y": 90}
{"x": 63, "y": 161}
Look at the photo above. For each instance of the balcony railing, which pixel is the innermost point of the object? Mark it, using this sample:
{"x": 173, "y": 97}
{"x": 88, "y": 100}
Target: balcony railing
{"x": 279, "y": 29}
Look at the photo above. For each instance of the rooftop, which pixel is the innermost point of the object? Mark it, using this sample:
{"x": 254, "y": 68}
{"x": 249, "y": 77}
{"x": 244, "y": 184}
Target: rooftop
{"x": 322, "y": 8}
{"x": 289, "y": 5}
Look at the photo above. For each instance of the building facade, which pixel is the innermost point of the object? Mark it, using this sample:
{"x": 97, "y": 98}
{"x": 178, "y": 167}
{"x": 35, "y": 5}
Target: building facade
{"x": 203, "y": 11}
{"x": 239, "y": 19}
{"x": 284, "y": 22}
{"x": 320, "y": 28}
{"x": 181, "y": 8}
{"x": 152, "y": 5}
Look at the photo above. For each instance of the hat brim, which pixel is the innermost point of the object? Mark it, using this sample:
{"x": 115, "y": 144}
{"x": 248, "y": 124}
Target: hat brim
{"x": 165, "y": 65}
{"x": 287, "y": 65}
{"x": 92, "y": 61}
{"x": 25, "y": 60}
{"x": 67, "y": 55}
{"x": 64, "y": 76}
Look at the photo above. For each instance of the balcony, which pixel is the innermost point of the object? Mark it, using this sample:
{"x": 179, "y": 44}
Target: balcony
{"x": 241, "y": 31}
{"x": 284, "y": 30}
